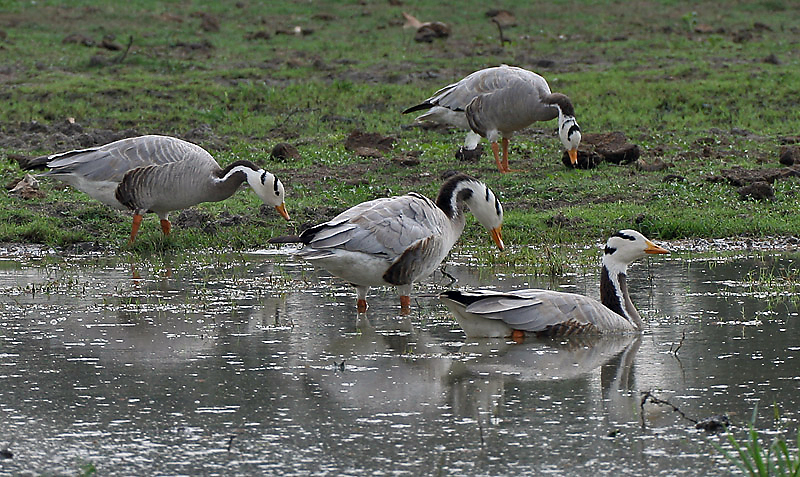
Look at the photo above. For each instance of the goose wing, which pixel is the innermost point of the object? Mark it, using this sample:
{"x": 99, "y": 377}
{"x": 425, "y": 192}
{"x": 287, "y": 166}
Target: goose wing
{"x": 383, "y": 227}
{"x": 538, "y": 310}
{"x": 110, "y": 163}
{"x": 458, "y": 95}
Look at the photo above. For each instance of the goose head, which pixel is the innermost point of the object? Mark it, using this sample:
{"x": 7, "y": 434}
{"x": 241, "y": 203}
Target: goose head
{"x": 568, "y": 130}
{"x": 625, "y": 247}
{"x": 486, "y": 207}
{"x": 269, "y": 189}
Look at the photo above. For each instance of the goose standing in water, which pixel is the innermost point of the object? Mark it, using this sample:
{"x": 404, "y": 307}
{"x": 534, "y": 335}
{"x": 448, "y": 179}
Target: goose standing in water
{"x": 157, "y": 174}
{"x": 496, "y": 102}
{"x": 496, "y": 314}
{"x": 398, "y": 240}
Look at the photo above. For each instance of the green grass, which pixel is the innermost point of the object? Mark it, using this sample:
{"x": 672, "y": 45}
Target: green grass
{"x": 757, "y": 459}
{"x": 640, "y": 68}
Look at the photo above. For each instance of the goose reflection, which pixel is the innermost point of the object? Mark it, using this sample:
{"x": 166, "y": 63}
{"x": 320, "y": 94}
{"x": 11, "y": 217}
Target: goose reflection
{"x": 487, "y": 366}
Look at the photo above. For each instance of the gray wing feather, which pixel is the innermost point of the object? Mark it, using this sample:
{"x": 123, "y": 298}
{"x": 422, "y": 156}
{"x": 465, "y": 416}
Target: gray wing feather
{"x": 112, "y": 161}
{"x": 381, "y": 227}
{"x": 458, "y": 95}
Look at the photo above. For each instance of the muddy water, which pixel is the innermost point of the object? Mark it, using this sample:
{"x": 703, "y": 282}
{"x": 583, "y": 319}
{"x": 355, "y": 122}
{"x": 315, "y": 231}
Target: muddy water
{"x": 249, "y": 364}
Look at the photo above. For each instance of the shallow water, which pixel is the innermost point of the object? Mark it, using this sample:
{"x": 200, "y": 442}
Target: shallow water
{"x": 255, "y": 363}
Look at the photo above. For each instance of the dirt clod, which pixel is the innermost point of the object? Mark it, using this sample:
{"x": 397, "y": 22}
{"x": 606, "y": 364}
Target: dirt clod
{"x": 757, "y": 191}
{"x": 469, "y": 155}
{"x": 652, "y": 166}
{"x": 407, "y": 158}
{"x": 790, "y": 155}
{"x": 560, "y": 220}
{"x": 587, "y": 158}
{"x": 368, "y": 144}
{"x": 613, "y": 147}
{"x": 283, "y": 151}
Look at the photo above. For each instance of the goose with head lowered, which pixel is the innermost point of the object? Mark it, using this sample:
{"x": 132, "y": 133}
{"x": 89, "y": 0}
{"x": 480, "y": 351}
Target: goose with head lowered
{"x": 495, "y": 102}
{"x": 498, "y": 314}
{"x": 157, "y": 174}
{"x": 398, "y": 240}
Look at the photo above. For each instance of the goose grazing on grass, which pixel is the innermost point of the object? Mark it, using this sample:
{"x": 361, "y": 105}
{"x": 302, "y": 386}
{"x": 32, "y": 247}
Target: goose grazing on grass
{"x": 398, "y": 240}
{"x": 495, "y": 314}
{"x": 496, "y": 102}
{"x": 157, "y": 174}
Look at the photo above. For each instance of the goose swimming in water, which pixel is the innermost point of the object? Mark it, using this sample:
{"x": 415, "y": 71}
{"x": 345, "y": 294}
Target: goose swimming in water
{"x": 497, "y": 314}
{"x": 157, "y": 174}
{"x": 496, "y": 102}
{"x": 398, "y": 240}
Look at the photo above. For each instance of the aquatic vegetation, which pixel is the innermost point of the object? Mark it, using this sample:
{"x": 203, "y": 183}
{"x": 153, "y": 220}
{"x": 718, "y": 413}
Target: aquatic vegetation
{"x": 756, "y": 459}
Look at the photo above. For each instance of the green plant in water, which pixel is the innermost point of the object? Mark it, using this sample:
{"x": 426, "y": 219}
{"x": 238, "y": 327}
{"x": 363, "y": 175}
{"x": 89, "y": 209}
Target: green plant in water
{"x": 754, "y": 459}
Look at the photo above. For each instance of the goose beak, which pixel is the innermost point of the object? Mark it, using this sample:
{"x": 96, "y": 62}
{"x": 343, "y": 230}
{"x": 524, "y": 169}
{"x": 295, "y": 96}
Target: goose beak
{"x": 653, "y": 248}
{"x": 282, "y": 210}
{"x": 497, "y": 236}
{"x": 573, "y": 156}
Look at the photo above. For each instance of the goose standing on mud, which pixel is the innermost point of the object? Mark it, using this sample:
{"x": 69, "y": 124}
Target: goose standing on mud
{"x": 496, "y": 102}
{"x": 157, "y": 174}
{"x": 398, "y": 240}
{"x": 496, "y": 314}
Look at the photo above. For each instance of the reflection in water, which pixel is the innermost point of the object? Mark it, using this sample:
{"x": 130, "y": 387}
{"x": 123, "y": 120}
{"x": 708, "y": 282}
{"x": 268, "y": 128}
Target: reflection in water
{"x": 232, "y": 364}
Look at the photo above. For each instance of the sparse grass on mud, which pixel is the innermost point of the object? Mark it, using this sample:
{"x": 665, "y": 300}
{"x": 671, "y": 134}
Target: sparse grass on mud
{"x": 701, "y": 87}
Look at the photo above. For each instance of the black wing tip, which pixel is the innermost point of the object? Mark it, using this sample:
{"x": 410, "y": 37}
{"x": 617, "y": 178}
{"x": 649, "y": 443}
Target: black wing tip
{"x": 285, "y": 239}
{"x": 418, "y": 107}
{"x": 27, "y": 164}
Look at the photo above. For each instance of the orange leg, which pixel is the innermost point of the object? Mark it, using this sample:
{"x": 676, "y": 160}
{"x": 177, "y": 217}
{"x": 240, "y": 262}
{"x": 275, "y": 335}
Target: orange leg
{"x": 505, "y": 155}
{"x": 518, "y": 336}
{"x": 405, "y": 305}
{"x": 496, "y": 151}
{"x": 165, "y": 226}
{"x": 137, "y": 221}
{"x": 361, "y": 306}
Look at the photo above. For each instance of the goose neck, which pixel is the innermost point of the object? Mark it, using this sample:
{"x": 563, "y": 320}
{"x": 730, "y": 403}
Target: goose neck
{"x": 614, "y": 293}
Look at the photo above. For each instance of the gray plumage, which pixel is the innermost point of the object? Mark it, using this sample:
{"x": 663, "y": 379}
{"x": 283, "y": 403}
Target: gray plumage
{"x": 490, "y": 313}
{"x": 157, "y": 174}
{"x": 398, "y": 240}
{"x": 496, "y": 102}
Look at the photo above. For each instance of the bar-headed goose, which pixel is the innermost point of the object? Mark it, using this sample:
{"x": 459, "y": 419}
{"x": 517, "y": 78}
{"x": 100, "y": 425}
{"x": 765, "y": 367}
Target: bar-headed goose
{"x": 157, "y": 174}
{"x": 398, "y": 240}
{"x": 496, "y": 314}
{"x": 496, "y": 102}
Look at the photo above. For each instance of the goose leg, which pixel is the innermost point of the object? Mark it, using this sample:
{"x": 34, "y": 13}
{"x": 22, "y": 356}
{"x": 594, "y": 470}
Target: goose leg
{"x": 505, "y": 155}
{"x": 496, "y": 151}
{"x": 518, "y": 336}
{"x": 361, "y": 303}
{"x": 405, "y": 304}
{"x": 137, "y": 221}
{"x": 165, "y": 226}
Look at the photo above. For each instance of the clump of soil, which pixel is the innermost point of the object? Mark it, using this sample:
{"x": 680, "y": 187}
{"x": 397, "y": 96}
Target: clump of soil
{"x": 757, "y": 190}
{"x": 562, "y": 221}
{"x": 469, "y": 155}
{"x": 595, "y": 148}
{"x": 283, "y": 151}
{"x": 739, "y": 176}
{"x": 587, "y": 158}
{"x": 790, "y": 155}
{"x": 369, "y": 144}
{"x": 407, "y": 158}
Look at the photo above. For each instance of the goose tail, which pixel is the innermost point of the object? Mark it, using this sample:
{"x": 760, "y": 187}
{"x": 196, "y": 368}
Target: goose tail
{"x": 27, "y": 164}
{"x": 285, "y": 239}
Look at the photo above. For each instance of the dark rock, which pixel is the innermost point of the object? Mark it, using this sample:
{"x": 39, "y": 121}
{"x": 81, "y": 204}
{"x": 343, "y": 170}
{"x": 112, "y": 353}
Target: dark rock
{"x": 713, "y": 424}
{"x": 757, "y": 191}
{"x": 283, "y": 151}
{"x": 612, "y": 147}
{"x": 469, "y": 155}
{"x": 790, "y": 155}
{"x": 587, "y": 158}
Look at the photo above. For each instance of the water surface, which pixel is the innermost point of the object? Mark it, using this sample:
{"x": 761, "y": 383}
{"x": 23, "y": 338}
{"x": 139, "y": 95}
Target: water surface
{"x": 238, "y": 364}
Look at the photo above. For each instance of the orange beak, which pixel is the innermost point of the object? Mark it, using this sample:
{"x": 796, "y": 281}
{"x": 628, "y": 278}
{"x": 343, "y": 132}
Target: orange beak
{"x": 573, "y": 156}
{"x": 653, "y": 248}
{"x": 497, "y": 236}
{"x": 282, "y": 210}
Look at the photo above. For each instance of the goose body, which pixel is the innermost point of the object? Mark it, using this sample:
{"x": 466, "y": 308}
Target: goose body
{"x": 157, "y": 174}
{"x": 496, "y": 314}
{"x": 496, "y": 102}
{"x": 399, "y": 240}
